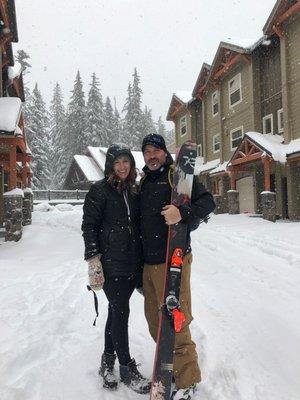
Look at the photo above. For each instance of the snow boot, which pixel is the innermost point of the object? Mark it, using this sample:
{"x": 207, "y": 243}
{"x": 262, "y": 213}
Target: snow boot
{"x": 184, "y": 394}
{"x": 132, "y": 378}
{"x": 106, "y": 370}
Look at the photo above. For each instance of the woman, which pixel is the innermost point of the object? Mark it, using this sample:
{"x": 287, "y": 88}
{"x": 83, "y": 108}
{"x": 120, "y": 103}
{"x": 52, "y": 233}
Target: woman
{"x": 111, "y": 234}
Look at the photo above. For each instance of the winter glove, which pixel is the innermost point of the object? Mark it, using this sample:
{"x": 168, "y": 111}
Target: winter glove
{"x": 95, "y": 271}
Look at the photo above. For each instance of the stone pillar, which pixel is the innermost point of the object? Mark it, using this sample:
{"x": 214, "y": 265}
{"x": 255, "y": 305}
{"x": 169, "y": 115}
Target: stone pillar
{"x": 13, "y": 204}
{"x": 218, "y": 201}
{"x": 27, "y": 206}
{"x": 233, "y": 202}
{"x": 268, "y": 200}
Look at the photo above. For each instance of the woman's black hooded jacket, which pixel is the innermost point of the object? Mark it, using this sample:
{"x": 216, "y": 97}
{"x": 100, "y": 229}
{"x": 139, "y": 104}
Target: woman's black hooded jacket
{"x": 109, "y": 230}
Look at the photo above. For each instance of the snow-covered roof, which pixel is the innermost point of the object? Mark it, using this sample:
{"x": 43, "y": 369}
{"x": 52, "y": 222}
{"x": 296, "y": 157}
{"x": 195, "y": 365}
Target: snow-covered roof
{"x": 10, "y": 110}
{"x": 200, "y": 168}
{"x": 293, "y": 147}
{"x": 15, "y": 71}
{"x": 184, "y": 95}
{"x": 248, "y": 44}
{"x": 272, "y": 144}
{"x": 220, "y": 168}
{"x": 99, "y": 155}
{"x": 89, "y": 168}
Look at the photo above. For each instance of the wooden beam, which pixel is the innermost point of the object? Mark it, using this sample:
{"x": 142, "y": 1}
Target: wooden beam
{"x": 232, "y": 175}
{"x": 177, "y": 110}
{"x": 246, "y": 58}
{"x": 252, "y": 157}
{"x": 267, "y": 178}
{"x": 279, "y": 31}
{"x": 228, "y": 64}
{"x": 294, "y": 8}
{"x": 12, "y": 184}
{"x": 4, "y": 14}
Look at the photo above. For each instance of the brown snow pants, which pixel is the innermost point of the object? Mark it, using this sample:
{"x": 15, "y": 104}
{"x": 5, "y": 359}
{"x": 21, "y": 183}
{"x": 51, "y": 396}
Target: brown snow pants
{"x": 186, "y": 370}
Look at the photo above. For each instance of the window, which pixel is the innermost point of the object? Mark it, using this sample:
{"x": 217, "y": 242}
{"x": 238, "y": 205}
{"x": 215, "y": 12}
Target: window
{"x": 280, "y": 120}
{"x": 216, "y": 143}
{"x": 235, "y": 137}
{"x": 268, "y": 124}
{"x": 215, "y": 103}
{"x": 199, "y": 150}
{"x": 235, "y": 90}
{"x": 183, "y": 125}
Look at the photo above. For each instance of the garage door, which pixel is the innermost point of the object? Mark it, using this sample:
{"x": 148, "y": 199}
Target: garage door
{"x": 246, "y": 194}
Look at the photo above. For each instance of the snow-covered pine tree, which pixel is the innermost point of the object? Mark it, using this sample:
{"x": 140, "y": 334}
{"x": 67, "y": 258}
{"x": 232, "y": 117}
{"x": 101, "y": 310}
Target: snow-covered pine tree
{"x": 127, "y": 121}
{"x": 118, "y": 132}
{"x": 95, "y": 129}
{"x": 133, "y": 121}
{"x": 109, "y": 123}
{"x": 37, "y": 130}
{"x": 148, "y": 123}
{"x": 137, "y": 113}
{"x": 22, "y": 58}
{"x": 77, "y": 121}
{"x": 59, "y": 139}
{"x": 161, "y": 130}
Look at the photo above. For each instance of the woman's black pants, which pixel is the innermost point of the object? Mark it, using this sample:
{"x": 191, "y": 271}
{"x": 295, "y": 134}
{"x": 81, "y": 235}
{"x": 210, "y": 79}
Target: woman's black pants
{"x": 118, "y": 291}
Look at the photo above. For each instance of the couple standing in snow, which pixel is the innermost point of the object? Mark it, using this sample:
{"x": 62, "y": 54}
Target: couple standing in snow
{"x": 125, "y": 230}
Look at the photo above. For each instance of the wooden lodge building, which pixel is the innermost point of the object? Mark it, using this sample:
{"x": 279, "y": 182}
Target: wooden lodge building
{"x": 244, "y": 113}
{"x": 14, "y": 153}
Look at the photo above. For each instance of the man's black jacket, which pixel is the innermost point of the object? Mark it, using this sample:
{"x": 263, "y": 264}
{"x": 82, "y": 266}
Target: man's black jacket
{"x": 108, "y": 231}
{"x": 155, "y": 192}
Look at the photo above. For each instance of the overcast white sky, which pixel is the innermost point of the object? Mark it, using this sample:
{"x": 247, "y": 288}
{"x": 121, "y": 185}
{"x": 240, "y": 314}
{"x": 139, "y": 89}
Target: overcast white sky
{"x": 166, "y": 40}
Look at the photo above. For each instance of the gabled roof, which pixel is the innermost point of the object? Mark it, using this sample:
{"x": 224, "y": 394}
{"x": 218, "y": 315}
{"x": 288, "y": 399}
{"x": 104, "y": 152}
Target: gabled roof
{"x": 179, "y": 102}
{"x": 228, "y": 54}
{"x": 89, "y": 168}
{"x": 282, "y": 10}
{"x": 255, "y": 145}
{"x": 201, "y": 80}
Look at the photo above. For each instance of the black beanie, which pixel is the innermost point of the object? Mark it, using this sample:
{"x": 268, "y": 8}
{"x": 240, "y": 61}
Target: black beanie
{"x": 113, "y": 152}
{"x": 155, "y": 140}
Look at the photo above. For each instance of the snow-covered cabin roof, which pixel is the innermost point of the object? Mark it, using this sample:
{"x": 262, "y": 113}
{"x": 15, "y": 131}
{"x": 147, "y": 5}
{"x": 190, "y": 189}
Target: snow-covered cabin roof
{"x": 219, "y": 168}
{"x": 98, "y": 154}
{"x": 200, "y": 168}
{"x": 89, "y": 168}
{"x": 10, "y": 111}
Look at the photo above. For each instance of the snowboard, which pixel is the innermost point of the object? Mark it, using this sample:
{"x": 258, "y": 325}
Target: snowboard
{"x": 171, "y": 317}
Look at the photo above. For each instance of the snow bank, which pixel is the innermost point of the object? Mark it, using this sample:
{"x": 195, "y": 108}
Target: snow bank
{"x": 245, "y": 289}
{"x": 43, "y": 207}
{"x": 14, "y": 192}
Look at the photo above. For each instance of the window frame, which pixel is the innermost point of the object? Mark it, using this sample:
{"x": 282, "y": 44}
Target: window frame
{"x": 213, "y": 138}
{"x": 239, "y": 77}
{"x": 181, "y": 125}
{"x": 280, "y": 127}
{"x": 264, "y": 119}
{"x": 199, "y": 153}
{"x": 215, "y": 93}
{"x": 240, "y": 128}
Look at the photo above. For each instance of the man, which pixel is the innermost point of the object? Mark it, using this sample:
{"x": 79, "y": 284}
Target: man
{"x": 157, "y": 213}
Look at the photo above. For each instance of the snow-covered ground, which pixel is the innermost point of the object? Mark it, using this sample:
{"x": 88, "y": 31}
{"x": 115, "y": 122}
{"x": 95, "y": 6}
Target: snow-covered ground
{"x": 245, "y": 282}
